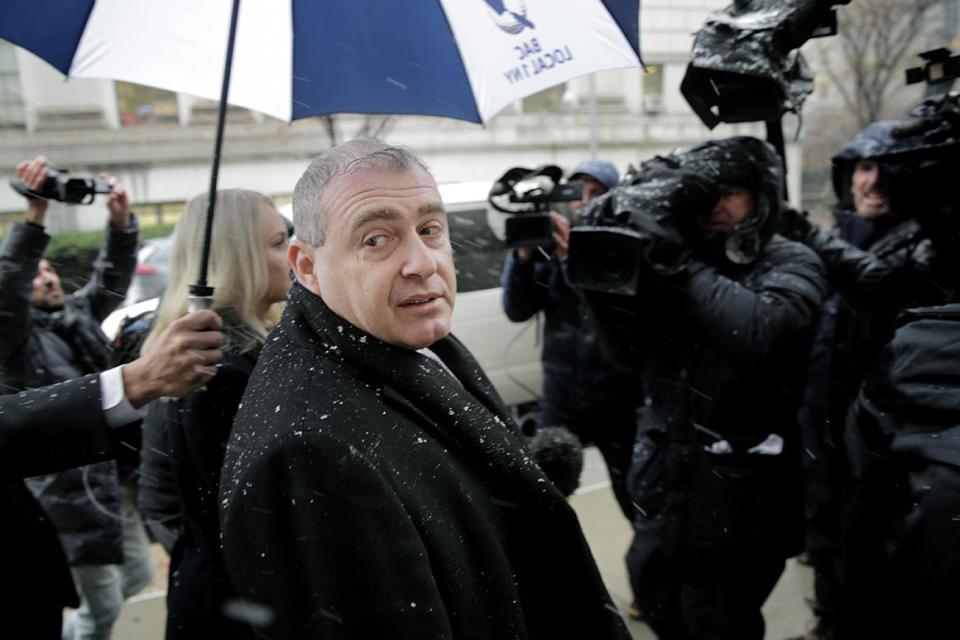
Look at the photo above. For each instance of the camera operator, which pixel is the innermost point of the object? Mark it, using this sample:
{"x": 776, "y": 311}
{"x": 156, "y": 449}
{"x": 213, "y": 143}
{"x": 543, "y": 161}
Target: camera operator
{"x": 894, "y": 246}
{"x": 47, "y": 337}
{"x": 878, "y": 263}
{"x": 581, "y": 390}
{"x": 720, "y": 324}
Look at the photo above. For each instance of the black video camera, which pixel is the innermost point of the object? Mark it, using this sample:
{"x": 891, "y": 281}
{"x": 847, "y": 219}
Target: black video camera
{"x": 60, "y": 186}
{"x": 927, "y": 149}
{"x": 746, "y": 66}
{"x": 637, "y": 230}
{"x": 526, "y": 196}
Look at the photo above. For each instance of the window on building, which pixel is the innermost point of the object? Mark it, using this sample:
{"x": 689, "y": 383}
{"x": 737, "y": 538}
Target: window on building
{"x": 12, "y": 113}
{"x": 653, "y": 88}
{"x": 547, "y": 100}
{"x": 205, "y": 112}
{"x": 145, "y": 105}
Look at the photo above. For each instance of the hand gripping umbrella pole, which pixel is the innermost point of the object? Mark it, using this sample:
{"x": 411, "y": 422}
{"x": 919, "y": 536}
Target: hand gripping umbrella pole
{"x": 201, "y": 294}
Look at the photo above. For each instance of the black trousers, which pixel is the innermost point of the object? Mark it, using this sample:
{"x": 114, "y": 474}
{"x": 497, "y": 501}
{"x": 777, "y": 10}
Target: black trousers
{"x": 704, "y": 599}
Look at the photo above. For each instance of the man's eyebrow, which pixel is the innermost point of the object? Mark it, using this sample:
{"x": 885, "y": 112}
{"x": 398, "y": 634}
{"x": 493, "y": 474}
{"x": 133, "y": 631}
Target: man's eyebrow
{"x": 431, "y": 208}
{"x": 383, "y": 213}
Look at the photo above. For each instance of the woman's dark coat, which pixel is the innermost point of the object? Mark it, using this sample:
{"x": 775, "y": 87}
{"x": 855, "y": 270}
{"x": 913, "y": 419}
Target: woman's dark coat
{"x": 186, "y": 440}
{"x": 367, "y": 493}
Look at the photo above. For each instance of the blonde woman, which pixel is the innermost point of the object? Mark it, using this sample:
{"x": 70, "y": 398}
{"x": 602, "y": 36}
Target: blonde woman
{"x": 184, "y": 440}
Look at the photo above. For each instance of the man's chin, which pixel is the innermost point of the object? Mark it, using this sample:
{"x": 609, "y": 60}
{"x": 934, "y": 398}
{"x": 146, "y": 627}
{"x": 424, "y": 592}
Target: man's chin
{"x": 49, "y": 305}
{"x": 423, "y": 338}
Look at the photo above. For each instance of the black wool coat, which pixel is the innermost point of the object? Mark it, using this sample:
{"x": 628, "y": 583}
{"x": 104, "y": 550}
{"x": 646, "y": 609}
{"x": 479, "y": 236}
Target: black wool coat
{"x": 367, "y": 493}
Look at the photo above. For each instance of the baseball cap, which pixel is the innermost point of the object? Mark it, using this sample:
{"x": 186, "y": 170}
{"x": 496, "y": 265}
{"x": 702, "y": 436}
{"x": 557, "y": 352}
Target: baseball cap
{"x": 600, "y": 170}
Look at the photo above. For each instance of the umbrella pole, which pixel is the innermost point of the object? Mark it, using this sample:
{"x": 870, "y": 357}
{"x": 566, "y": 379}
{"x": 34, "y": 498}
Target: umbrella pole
{"x": 201, "y": 294}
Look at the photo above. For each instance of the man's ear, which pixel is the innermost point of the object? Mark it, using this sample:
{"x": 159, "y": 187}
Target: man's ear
{"x": 302, "y": 261}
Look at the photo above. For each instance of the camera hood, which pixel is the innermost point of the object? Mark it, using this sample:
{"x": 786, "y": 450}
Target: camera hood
{"x": 745, "y": 65}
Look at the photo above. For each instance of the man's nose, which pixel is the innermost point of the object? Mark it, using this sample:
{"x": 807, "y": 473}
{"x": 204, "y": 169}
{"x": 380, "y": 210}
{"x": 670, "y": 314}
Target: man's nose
{"x": 419, "y": 260}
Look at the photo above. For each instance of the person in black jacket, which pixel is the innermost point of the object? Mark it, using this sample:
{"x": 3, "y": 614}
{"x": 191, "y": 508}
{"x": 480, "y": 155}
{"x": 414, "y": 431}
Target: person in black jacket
{"x": 900, "y": 566}
{"x": 878, "y": 263}
{"x": 374, "y": 484}
{"x": 47, "y": 337}
{"x": 721, "y": 338}
{"x": 80, "y": 421}
{"x": 582, "y": 391}
{"x": 184, "y": 440}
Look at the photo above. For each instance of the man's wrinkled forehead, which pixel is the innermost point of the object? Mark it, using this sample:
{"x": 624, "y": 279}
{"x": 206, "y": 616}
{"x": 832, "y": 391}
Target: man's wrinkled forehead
{"x": 345, "y": 189}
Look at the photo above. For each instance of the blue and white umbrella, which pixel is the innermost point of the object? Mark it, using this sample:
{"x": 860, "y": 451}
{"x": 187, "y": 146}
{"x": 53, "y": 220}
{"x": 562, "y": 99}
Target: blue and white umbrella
{"x": 464, "y": 59}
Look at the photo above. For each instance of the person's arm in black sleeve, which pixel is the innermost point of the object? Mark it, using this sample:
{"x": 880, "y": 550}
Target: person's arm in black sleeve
{"x": 754, "y": 324}
{"x": 53, "y": 428}
{"x": 863, "y": 276}
{"x": 117, "y": 260}
{"x": 73, "y": 423}
{"x": 525, "y": 283}
{"x": 20, "y": 253}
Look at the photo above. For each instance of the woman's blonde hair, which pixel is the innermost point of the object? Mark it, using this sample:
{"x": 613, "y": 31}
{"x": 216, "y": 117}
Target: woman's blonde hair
{"x": 238, "y": 270}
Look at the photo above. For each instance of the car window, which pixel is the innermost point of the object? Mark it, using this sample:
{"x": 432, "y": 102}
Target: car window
{"x": 477, "y": 253}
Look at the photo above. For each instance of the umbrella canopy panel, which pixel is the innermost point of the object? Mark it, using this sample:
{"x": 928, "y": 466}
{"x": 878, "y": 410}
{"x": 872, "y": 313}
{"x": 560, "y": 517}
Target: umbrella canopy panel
{"x": 464, "y": 59}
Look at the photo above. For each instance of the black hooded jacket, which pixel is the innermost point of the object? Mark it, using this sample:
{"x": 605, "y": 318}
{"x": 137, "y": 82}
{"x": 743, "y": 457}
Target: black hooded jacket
{"x": 724, "y": 362}
{"x": 876, "y": 268}
{"x": 722, "y": 346}
{"x": 38, "y": 348}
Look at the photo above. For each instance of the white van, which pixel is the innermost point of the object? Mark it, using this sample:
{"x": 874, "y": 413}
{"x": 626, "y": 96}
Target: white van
{"x": 508, "y": 352}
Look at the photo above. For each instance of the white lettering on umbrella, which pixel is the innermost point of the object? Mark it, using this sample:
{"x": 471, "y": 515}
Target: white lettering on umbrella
{"x": 514, "y": 48}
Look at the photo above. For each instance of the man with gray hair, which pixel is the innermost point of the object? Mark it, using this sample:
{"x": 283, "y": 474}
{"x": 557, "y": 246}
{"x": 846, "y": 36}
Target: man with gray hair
{"x": 375, "y": 484}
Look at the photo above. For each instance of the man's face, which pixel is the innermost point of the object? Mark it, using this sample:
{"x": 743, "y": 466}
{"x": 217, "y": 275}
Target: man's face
{"x": 386, "y": 265}
{"x": 734, "y": 205}
{"x": 47, "y": 291}
{"x": 870, "y": 197}
{"x": 592, "y": 188}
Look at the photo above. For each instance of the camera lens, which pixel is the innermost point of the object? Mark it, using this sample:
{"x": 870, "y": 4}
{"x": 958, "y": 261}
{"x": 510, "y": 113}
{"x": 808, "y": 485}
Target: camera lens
{"x": 615, "y": 259}
{"x": 606, "y": 259}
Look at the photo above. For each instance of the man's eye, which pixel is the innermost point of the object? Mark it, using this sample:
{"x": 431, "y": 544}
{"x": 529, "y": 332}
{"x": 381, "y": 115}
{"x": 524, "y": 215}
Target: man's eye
{"x": 432, "y": 230}
{"x": 375, "y": 241}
